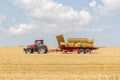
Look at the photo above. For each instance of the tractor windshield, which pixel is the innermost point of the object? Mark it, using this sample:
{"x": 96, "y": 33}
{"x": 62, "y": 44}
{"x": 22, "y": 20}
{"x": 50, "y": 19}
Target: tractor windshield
{"x": 38, "y": 42}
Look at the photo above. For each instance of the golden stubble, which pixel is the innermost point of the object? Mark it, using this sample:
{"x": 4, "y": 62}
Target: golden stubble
{"x": 103, "y": 64}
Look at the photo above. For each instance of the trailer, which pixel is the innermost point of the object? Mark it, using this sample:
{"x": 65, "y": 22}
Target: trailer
{"x": 79, "y": 50}
{"x": 42, "y": 48}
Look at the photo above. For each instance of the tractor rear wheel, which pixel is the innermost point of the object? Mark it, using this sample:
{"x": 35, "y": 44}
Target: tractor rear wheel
{"x": 42, "y": 49}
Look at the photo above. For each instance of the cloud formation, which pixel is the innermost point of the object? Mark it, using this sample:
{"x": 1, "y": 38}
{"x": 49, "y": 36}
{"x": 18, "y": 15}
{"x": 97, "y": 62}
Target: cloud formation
{"x": 111, "y": 6}
{"x": 108, "y": 7}
{"x": 50, "y": 16}
{"x": 2, "y": 19}
{"x": 21, "y": 28}
{"x": 93, "y": 4}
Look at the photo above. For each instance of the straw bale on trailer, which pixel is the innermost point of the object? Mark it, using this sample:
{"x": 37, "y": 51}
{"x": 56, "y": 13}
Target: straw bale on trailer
{"x": 67, "y": 44}
{"x": 60, "y": 38}
{"x": 87, "y": 45}
{"x": 63, "y": 44}
{"x": 83, "y": 40}
{"x": 71, "y": 40}
{"x": 78, "y": 44}
{"x": 76, "y": 40}
{"x": 71, "y": 44}
{"x": 90, "y": 40}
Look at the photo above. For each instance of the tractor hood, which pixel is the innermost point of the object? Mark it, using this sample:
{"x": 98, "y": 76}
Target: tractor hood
{"x": 31, "y": 46}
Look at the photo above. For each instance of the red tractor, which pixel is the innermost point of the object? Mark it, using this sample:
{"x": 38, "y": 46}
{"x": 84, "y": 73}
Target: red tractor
{"x": 39, "y": 47}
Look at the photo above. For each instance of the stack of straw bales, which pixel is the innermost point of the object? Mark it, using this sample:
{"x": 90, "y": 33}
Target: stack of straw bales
{"x": 75, "y": 42}
{"x": 78, "y": 42}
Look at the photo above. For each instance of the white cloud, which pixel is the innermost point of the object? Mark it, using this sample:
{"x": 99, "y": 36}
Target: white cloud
{"x": 91, "y": 29}
{"x": 93, "y": 4}
{"x": 1, "y": 29}
{"x": 111, "y": 6}
{"x": 2, "y": 19}
{"x": 21, "y": 28}
{"x": 108, "y": 7}
{"x": 50, "y": 16}
{"x": 97, "y": 30}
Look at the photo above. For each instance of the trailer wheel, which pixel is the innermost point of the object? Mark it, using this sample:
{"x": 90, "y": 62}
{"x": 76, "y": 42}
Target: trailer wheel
{"x": 87, "y": 50}
{"x": 42, "y": 49}
{"x": 80, "y": 51}
{"x": 28, "y": 51}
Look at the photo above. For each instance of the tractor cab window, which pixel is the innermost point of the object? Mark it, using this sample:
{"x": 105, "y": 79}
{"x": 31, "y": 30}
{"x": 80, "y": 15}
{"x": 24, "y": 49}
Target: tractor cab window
{"x": 38, "y": 43}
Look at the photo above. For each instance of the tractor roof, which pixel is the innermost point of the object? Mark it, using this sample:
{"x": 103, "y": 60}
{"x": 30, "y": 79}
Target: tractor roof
{"x": 39, "y": 40}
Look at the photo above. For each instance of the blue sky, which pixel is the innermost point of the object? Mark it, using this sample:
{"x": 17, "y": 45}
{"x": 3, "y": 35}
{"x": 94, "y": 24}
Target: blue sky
{"x": 23, "y": 21}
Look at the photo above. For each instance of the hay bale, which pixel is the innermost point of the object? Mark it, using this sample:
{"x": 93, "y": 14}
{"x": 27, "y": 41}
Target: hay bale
{"x": 63, "y": 44}
{"x": 83, "y": 40}
{"x": 90, "y": 40}
{"x": 84, "y": 45}
{"x": 60, "y": 38}
{"x": 77, "y": 44}
{"x": 87, "y": 45}
{"x": 75, "y": 40}
{"x": 71, "y": 44}
{"x": 70, "y": 40}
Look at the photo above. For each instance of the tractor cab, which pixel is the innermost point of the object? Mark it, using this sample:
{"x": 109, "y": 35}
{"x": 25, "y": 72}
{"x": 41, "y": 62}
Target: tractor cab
{"x": 39, "y": 42}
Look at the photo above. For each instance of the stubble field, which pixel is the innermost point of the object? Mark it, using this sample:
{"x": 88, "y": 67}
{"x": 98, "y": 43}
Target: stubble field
{"x": 103, "y": 64}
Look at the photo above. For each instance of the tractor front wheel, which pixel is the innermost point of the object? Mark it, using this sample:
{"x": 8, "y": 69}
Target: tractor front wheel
{"x": 28, "y": 51}
{"x": 42, "y": 49}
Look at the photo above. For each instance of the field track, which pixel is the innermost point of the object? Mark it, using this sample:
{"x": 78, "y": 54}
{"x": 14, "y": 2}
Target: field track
{"x": 66, "y": 67}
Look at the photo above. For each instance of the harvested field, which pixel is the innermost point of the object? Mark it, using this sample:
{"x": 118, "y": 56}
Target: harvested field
{"x": 103, "y": 64}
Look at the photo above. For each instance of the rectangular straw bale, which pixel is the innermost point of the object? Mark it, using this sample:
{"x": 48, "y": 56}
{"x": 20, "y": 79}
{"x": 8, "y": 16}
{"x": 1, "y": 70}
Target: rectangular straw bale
{"x": 75, "y": 40}
{"x": 87, "y": 45}
{"x": 70, "y": 40}
{"x": 60, "y": 38}
{"x": 90, "y": 45}
{"x": 83, "y": 39}
{"x": 63, "y": 44}
{"x": 77, "y": 44}
{"x": 90, "y": 40}
{"x": 71, "y": 44}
